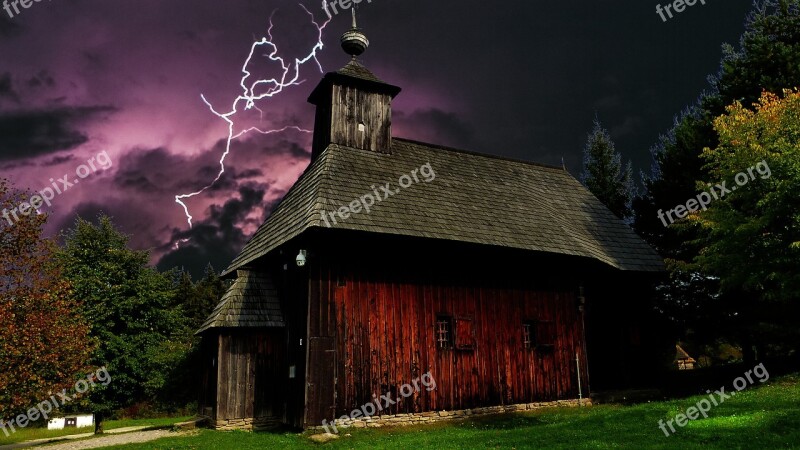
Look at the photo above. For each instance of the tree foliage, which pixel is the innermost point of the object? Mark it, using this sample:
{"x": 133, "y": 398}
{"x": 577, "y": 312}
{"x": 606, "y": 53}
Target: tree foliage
{"x": 199, "y": 299}
{"x": 603, "y": 174}
{"x": 752, "y": 235}
{"x": 767, "y": 58}
{"x": 131, "y": 310}
{"x": 753, "y": 240}
{"x": 44, "y": 340}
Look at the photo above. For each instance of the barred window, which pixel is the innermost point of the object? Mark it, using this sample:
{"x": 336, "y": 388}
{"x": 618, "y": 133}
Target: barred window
{"x": 527, "y": 335}
{"x": 444, "y": 336}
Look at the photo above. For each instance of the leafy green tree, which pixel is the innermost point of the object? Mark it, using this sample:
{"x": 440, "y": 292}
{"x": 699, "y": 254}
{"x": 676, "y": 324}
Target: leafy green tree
{"x": 207, "y": 293}
{"x": 768, "y": 58}
{"x": 603, "y": 174}
{"x": 44, "y": 340}
{"x": 131, "y": 310}
{"x": 753, "y": 233}
{"x": 198, "y": 300}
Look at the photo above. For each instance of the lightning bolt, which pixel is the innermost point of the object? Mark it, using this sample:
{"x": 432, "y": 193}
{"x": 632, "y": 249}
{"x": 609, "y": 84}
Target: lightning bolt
{"x": 248, "y": 98}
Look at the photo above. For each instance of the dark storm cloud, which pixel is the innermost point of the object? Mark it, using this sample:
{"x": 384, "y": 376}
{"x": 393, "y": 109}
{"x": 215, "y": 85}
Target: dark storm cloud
{"x": 538, "y": 83}
{"x": 58, "y": 160}
{"x": 6, "y": 88}
{"x": 226, "y": 182}
{"x": 293, "y": 149}
{"x": 8, "y": 27}
{"x": 26, "y": 134}
{"x": 249, "y": 173}
{"x": 529, "y": 91}
{"x": 439, "y": 127}
{"x": 42, "y": 79}
{"x": 142, "y": 171}
{"x": 158, "y": 171}
{"x": 219, "y": 238}
{"x": 19, "y": 164}
{"x": 130, "y": 217}
{"x": 88, "y": 211}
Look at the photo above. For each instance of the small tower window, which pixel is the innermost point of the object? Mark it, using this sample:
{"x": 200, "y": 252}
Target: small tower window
{"x": 361, "y": 127}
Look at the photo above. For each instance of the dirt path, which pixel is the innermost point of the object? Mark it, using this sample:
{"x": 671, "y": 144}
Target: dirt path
{"x": 115, "y": 439}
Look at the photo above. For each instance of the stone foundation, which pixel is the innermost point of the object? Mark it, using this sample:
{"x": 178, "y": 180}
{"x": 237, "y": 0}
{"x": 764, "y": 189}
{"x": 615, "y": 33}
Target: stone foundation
{"x": 440, "y": 416}
{"x": 249, "y": 424}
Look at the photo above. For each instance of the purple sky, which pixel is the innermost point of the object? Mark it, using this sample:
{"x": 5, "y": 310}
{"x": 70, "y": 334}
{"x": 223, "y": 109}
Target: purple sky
{"x": 518, "y": 79}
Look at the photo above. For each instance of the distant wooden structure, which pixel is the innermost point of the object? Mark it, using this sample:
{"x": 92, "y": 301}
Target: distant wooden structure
{"x": 682, "y": 359}
{"x": 493, "y": 277}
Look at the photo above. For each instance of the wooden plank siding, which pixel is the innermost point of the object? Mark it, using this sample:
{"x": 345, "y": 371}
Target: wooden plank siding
{"x": 251, "y": 369}
{"x": 355, "y": 107}
{"x": 381, "y": 321}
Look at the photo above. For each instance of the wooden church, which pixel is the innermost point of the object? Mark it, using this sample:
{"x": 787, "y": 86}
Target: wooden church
{"x": 507, "y": 281}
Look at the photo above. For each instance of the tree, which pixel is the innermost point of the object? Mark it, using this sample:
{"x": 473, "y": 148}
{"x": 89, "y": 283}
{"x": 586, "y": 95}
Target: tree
{"x": 768, "y": 58}
{"x": 197, "y": 300}
{"x": 205, "y": 296}
{"x": 603, "y": 174}
{"x": 131, "y": 310}
{"x": 44, "y": 342}
{"x": 753, "y": 233}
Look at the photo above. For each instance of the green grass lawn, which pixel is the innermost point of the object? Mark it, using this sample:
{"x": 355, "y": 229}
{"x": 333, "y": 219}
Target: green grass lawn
{"x": 30, "y": 433}
{"x": 763, "y": 417}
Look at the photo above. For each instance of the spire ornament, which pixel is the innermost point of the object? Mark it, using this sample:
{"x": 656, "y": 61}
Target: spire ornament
{"x": 354, "y": 42}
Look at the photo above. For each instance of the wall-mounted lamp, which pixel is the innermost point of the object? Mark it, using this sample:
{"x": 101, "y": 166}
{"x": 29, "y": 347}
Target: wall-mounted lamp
{"x": 301, "y": 258}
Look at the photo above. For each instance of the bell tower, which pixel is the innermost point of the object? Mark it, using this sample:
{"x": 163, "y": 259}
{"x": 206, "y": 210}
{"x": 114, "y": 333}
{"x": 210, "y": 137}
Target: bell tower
{"x": 354, "y": 107}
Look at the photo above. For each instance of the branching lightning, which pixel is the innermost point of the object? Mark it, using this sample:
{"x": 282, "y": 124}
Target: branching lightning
{"x": 290, "y": 76}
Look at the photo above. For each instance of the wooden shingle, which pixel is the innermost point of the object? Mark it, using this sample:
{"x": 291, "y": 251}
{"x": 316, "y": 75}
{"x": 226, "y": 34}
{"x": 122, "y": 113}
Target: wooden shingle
{"x": 250, "y": 302}
{"x": 474, "y": 198}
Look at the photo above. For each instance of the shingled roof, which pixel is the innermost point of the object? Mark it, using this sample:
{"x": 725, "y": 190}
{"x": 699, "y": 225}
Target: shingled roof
{"x": 251, "y": 301}
{"x": 354, "y": 73}
{"x": 355, "y": 69}
{"x": 474, "y": 198}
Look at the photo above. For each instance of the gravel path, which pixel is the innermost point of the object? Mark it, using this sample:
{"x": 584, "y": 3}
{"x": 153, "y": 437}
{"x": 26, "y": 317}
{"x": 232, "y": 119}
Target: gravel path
{"x": 115, "y": 439}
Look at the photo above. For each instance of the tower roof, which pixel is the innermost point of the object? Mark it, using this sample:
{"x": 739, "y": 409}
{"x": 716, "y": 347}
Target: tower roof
{"x": 353, "y": 74}
{"x": 357, "y": 70}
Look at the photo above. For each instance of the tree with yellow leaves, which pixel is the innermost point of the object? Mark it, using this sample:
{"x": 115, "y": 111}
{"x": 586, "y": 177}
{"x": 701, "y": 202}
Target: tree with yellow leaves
{"x": 44, "y": 340}
{"x": 753, "y": 233}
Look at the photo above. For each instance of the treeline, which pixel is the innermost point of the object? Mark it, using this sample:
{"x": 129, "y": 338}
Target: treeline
{"x": 66, "y": 310}
{"x": 722, "y": 198}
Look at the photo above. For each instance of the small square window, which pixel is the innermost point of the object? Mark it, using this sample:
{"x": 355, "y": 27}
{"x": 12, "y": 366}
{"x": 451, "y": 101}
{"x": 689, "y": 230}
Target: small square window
{"x": 545, "y": 335}
{"x": 538, "y": 334}
{"x": 444, "y": 335}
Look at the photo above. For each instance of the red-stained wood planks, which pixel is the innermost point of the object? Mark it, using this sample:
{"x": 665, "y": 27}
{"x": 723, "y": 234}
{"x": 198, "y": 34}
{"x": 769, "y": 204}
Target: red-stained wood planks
{"x": 383, "y": 327}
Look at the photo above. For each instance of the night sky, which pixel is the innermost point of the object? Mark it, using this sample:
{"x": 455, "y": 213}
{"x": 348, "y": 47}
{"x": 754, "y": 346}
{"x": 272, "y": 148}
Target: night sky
{"x": 521, "y": 79}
